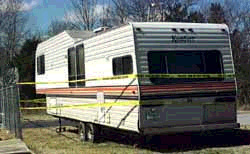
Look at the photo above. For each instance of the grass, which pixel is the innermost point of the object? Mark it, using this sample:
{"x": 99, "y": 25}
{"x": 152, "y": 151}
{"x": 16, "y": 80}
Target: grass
{"x": 5, "y": 135}
{"x": 243, "y": 107}
{"x": 35, "y": 115}
{"x": 46, "y": 141}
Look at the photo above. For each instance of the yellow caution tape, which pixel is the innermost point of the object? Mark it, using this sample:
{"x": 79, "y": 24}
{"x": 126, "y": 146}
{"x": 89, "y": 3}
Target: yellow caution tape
{"x": 227, "y": 75}
{"x": 109, "y": 104}
{"x": 41, "y": 100}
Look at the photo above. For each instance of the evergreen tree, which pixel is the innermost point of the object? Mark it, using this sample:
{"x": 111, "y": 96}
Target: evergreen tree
{"x": 216, "y": 14}
{"x": 25, "y": 63}
{"x": 196, "y": 17}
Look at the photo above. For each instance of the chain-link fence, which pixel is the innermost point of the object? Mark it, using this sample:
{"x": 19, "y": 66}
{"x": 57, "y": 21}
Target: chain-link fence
{"x": 9, "y": 110}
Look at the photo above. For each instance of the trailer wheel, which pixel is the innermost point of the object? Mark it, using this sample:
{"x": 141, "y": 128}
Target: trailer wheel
{"x": 92, "y": 132}
{"x": 82, "y": 132}
{"x": 143, "y": 140}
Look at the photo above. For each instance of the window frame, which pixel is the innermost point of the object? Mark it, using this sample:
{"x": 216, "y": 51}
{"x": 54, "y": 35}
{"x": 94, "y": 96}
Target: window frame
{"x": 204, "y": 57}
{"x": 41, "y": 64}
{"x": 122, "y": 59}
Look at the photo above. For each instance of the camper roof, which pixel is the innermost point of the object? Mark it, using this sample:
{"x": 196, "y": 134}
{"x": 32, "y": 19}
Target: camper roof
{"x": 75, "y": 34}
{"x": 178, "y": 25}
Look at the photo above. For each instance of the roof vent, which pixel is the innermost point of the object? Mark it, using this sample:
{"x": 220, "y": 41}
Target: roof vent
{"x": 191, "y": 30}
{"x": 174, "y": 29}
{"x": 100, "y": 29}
{"x": 183, "y": 30}
{"x": 223, "y": 30}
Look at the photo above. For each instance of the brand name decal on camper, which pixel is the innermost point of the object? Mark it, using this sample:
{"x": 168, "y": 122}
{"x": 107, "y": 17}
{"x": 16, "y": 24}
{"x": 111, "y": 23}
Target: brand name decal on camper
{"x": 183, "y": 39}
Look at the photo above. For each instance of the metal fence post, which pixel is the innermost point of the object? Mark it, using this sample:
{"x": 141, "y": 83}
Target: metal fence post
{"x": 7, "y": 111}
{"x": 3, "y": 108}
{"x": 17, "y": 114}
{"x": 9, "y": 104}
{"x": 12, "y": 103}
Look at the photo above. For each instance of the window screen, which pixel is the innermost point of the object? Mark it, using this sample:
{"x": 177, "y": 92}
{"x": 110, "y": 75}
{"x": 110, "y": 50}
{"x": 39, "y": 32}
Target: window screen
{"x": 122, "y": 65}
{"x": 40, "y": 65}
{"x": 184, "y": 62}
{"x": 72, "y": 66}
{"x": 80, "y": 64}
{"x": 76, "y": 66}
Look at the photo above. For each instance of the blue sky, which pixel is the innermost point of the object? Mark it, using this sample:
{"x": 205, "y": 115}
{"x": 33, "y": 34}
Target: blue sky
{"x": 41, "y": 12}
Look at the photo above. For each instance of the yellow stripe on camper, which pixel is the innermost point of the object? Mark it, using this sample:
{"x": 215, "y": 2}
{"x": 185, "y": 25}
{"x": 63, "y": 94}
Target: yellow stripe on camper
{"x": 227, "y": 76}
{"x": 79, "y": 106}
{"x": 42, "y": 100}
{"x": 109, "y": 104}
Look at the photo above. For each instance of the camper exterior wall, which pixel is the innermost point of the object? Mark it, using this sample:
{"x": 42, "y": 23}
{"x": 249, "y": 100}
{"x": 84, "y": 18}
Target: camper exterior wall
{"x": 100, "y": 51}
{"x": 199, "y": 105}
{"x": 158, "y": 37}
{"x": 56, "y": 63}
{"x": 121, "y": 117}
{"x": 178, "y": 105}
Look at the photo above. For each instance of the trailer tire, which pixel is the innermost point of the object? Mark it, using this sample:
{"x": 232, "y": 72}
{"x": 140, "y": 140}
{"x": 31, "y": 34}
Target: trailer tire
{"x": 92, "y": 132}
{"x": 82, "y": 132}
{"x": 144, "y": 140}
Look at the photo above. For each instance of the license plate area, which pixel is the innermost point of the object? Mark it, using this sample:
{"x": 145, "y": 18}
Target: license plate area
{"x": 218, "y": 113}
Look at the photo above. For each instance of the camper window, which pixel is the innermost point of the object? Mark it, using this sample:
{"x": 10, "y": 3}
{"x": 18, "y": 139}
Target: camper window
{"x": 80, "y": 65}
{"x": 72, "y": 66}
{"x": 122, "y": 65}
{"x": 76, "y": 65}
{"x": 40, "y": 65}
{"x": 184, "y": 62}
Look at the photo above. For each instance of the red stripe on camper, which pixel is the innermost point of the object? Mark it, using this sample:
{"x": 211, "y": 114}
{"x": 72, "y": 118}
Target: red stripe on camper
{"x": 131, "y": 90}
{"x": 190, "y": 87}
{"x": 145, "y": 90}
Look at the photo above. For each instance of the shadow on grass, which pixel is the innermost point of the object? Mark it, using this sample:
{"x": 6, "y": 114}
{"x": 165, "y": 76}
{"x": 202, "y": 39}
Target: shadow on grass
{"x": 43, "y": 123}
{"x": 185, "y": 141}
{"x": 180, "y": 142}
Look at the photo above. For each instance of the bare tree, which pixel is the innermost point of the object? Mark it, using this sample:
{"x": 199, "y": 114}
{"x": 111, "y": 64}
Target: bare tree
{"x": 56, "y": 26}
{"x": 238, "y": 19}
{"x": 138, "y": 10}
{"x": 121, "y": 8}
{"x": 107, "y": 16}
{"x": 82, "y": 13}
{"x": 11, "y": 34}
{"x": 153, "y": 10}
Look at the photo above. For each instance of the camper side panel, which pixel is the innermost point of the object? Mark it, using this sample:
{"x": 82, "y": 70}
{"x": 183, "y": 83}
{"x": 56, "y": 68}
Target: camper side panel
{"x": 122, "y": 117}
{"x": 100, "y": 52}
{"x": 55, "y": 62}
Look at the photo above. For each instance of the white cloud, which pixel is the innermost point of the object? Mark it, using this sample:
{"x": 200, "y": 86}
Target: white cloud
{"x": 72, "y": 17}
{"x": 27, "y": 6}
{"x": 99, "y": 9}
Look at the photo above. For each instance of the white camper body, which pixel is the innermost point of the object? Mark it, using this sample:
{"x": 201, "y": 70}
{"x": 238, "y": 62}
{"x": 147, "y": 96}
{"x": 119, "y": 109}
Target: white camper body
{"x": 174, "y": 105}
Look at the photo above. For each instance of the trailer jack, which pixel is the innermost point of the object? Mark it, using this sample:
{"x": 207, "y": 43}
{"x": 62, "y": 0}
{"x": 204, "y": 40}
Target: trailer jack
{"x": 60, "y": 129}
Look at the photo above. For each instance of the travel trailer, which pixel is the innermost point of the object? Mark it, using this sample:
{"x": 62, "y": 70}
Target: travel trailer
{"x": 148, "y": 78}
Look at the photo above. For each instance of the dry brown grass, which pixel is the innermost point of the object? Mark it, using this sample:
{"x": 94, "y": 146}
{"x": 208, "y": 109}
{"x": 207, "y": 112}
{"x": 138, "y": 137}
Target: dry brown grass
{"x": 46, "y": 140}
{"x": 5, "y": 135}
{"x": 244, "y": 107}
